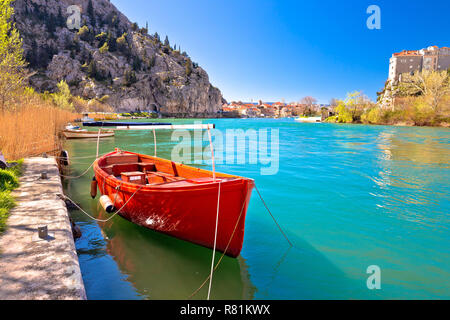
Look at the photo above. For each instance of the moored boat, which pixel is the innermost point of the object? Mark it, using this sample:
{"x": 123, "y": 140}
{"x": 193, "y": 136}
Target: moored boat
{"x": 176, "y": 199}
{"x": 84, "y": 134}
{"x": 128, "y": 124}
{"x": 309, "y": 119}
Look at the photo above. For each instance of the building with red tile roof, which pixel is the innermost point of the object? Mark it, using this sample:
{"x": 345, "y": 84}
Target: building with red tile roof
{"x": 409, "y": 61}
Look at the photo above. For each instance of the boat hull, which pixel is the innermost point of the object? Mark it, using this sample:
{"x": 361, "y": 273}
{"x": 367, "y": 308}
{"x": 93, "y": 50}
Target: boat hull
{"x": 116, "y": 123}
{"x": 309, "y": 120}
{"x": 187, "y": 212}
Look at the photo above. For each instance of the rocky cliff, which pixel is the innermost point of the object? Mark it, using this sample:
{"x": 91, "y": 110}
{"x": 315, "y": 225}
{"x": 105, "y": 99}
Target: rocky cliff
{"x": 112, "y": 59}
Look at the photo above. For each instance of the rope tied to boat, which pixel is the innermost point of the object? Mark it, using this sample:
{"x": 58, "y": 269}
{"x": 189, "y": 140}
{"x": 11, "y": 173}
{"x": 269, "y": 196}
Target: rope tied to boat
{"x": 268, "y": 210}
{"x": 77, "y": 177}
{"x": 226, "y": 248}
{"x": 215, "y": 241}
{"x": 231, "y": 237}
{"x": 115, "y": 213}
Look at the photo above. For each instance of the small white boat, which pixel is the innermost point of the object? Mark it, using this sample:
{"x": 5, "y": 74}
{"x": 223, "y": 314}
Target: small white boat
{"x": 72, "y": 127}
{"x": 309, "y": 119}
{"x": 84, "y": 134}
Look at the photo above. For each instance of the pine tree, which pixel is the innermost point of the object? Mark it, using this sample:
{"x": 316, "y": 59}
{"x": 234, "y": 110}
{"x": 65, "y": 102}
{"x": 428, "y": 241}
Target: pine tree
{"x": 130, "y": 78}
{"x": 50, "y": 23}
{"x": 92, "y": 69}
{"x": 137, "y": 64}
{"x": 112, "y": 42}
{"x": 166, "y": 42}
{"x": 188, "y": 67}
{"x": 32, "y": 55}
{"x": 91, "y": 12}
{"x": 60, "y": 21}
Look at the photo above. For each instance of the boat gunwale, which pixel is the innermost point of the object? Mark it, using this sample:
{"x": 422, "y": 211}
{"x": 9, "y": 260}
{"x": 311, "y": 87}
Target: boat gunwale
{"x": 132, "y": 187}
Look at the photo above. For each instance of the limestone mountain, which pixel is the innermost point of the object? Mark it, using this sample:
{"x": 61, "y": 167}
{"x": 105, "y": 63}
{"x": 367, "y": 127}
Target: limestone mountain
{"x": 112, "y": 59}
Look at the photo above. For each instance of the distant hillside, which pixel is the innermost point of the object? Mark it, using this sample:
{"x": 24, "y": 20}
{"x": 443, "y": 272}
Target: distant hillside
{"x": 111, "y": 59}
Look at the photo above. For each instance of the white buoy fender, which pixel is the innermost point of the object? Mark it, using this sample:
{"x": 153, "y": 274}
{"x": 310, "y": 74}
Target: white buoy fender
{"x": 106, "y": 203}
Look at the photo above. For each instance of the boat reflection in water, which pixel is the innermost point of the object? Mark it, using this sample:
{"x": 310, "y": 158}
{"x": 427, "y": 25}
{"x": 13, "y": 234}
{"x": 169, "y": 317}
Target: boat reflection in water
{"x": 163, "y": 267}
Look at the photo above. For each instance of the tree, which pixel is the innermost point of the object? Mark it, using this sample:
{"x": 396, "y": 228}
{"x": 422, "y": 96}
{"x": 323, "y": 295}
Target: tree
{"x": 32, "y": 55}
{"x": 434, "y": 86}
{"x": 352, "y": 108}
{"x": 92, "y": 69}
{"x": 104, "y": 48}
{"x": 112, "y": 42}
{"x": 334, "y": 102}
{"x": 137, "y": 63}
{"x": 50, "y": 24}
{"x": 60, "y": 21}
{"x": 130, "y": 78}
{"x": 122, "y": 43}
{"x": 188, "y": 67}
{"x": 12, "y": 62}
{"x": 309, "y": 102}
{"x": 91, "y": 12}
{"x": 166, "y": 42}
{"x": 85, "y": 33}
{"x": 63, "y": 97}
{"x": 151, "y": 62}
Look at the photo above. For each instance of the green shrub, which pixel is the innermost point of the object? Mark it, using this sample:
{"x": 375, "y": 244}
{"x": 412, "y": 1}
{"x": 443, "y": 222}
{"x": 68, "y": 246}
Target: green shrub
{"x": 63, "y": 97}
{"x": 6, "y": 200}
{"x": 104, "y": 48}
{"x": 8, "y": 180}
{"x": 3, "y": 217}
{"x": 373, "y": 116}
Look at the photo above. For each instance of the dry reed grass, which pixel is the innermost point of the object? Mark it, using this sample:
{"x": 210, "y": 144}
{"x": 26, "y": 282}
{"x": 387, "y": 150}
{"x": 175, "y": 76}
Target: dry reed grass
{"x": 32, "y": 127}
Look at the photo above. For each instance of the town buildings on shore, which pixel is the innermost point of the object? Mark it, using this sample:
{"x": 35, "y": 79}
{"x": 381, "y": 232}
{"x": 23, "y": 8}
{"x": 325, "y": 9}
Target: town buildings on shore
{"x": 432, "y": 58}
{"x": 270, "y": 109}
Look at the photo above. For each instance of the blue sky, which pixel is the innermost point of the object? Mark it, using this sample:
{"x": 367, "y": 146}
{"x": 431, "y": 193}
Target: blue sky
{"x": 274, "y": 50}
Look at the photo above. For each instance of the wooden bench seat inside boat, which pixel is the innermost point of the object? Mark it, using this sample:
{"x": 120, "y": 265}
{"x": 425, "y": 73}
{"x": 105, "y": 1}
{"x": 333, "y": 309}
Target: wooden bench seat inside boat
{"x": 117, "y": 169}
{"x": 140, "y": 170}
{"x": 161, "y": 177}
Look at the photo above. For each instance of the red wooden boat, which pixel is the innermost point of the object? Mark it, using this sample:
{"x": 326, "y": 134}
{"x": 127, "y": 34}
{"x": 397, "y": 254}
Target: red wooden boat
{"x": 176, "y": 199}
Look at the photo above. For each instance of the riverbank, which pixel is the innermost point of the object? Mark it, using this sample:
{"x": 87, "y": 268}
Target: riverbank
{"x": 32, "y": 268}
{"x": 9, "y": 180}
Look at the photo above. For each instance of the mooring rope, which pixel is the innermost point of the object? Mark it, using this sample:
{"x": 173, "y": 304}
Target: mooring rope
{"x": 71, "y": 177}
{"x": 85, "y": 157}
{"x": 215, "y": 242}
{"x": 231, "y": 237}
{"x": 268, "y": 210}
{"x": 115, "y": 213}
{"x": 224, "y": 251}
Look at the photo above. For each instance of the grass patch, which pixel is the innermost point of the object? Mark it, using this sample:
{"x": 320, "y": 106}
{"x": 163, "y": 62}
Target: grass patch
{"x": 9, "y": 180}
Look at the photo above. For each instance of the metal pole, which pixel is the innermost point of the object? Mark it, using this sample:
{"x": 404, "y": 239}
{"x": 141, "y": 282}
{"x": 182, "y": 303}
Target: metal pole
{"x": 212, "y": 155}
{"x": 154, "y": 139}
{"x": 98, "y": 141}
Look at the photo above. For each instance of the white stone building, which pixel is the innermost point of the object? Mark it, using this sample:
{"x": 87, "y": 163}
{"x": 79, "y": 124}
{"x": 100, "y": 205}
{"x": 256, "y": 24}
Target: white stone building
{"x": 408, "y": 61}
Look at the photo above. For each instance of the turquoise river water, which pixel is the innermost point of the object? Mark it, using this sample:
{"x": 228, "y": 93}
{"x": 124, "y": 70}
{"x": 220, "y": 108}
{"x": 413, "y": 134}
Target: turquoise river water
{"x": 347, "y": 196}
